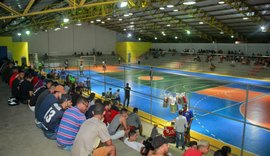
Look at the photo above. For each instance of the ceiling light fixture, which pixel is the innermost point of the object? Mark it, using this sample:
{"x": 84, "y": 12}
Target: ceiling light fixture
{"x": 66, "y": 20}
{"x": 19, "y": 34}
{"x": 175, "y": 10}
{"x": 65, "y": 27}
{"x": 129, "y": 35}
{"x": 79, "y": 23}
{"x": 263, "y": 28}
{"x": 221, "y": 32}
{"x": 176, "y": 37}
{"x": 57, "y": 28}
{"x": 27, "y": 32}
{"x": 245, "y": 18}
{"x": 161, "y": 8}
{"x": 200, "y": 22}
{"x": 170, "y": 6}
{"x": 221, "y": 2}
{"x": 131, "y": 22}
{"x": 123, "y": 4}
{"x": 189, "y": 2}
{"x": 139, "y": 38}
{"x": 125, "y": 29}
{"x": 188, "y": 32}
{"x": 108, "y": 18}
{"x": 130, "y": 14}
{"x": 102, "y": 22}
{"x": 168, "y": 25}
{"x": 232, "y": 36}
{"x": 91, "y": 21}
{"x": 155, "y": 38}
{"x": 126, "y": 15}
{"x": 120, "y": 19}
{"x": 98, "y": 20}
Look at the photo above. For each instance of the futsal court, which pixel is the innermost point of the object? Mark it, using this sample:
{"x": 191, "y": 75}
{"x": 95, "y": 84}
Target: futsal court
{"x": 217, "y": 101}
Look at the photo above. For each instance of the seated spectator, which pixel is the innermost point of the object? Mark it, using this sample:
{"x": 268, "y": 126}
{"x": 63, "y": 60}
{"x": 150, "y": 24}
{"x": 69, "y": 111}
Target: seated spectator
{"x": 92, "y": 99}
{"x": 170, "y": 133}
{"x": 15, "y": 88}
{"x": 134, "y": 121}
{"x": 53, "y": 117}
{"x": 13, "y": 76}
{"x": 212, "y": 67}
{"x": 202, "y": 148}
{"x": 71, "y": 123}
{"x": 154, "y": 131}
{"x": 224, "y": 151}
{"x": 131, "y": 141}
{"x": 39, "y": 83}
{"x": 116, "y": 97}
{"x": 49, "y": 100}
{"x": 89, "y": 112}
{"x": 109, "y": 93}
{"x": 26, "y": 90}
{"x": 36, "y": 94}
{"x": 107, "y": 115}
{"x": 157, "y": 146}
{"x": 118, "y": 127}
{"x": 91, "y": 132}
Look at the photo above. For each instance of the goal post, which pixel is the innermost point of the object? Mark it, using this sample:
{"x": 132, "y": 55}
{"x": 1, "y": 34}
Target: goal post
{"x": 87, "y": 61}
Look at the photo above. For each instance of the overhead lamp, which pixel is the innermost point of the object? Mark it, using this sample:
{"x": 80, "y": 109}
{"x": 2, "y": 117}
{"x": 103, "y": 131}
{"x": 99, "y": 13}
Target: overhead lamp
{"x": 19, "y": 34}
{"x": 232, "y": 36}
{"x": 129, "y": 35}
{"x": 66, "y": 20}
{"x": 91, "y": 21}
{"x": 175, "y": 10}
{"x": 98, "y": 20}
{"x": 102, "y": 22}
{"x": 245, "y": 18}
{"x": 263, "y": 28}
{"x": 27, "y": 32}
{"x": 108, "y": 18}
{"x": 131, "y": 22}
{"x": 200, "y": 22}
{"x": 132, "y": 26}
{"x": 221, "y": 2}
{"x": 237, "y": 42}
{"x": 176, "y": 37}
{"x": 161, "y": 8}
{"x": 130, "y": 14}
{"x": 125, "y": 29}
{"x": 79, "y": 23}
{"x": 188, "y": 32}
{"x": 164, "y": 34}
{"x": 168, "y": 25}
{"x": 57, "y": 28}
{"x": 155, "y": 38}
{"x": 170, "y": 6}
{"x": 65, "y": 27}
{"x": 120, "y": 19}
{"x": 221, "y": 32}
{"x": 189, "y": 2}
{"x": 126, "y": 15}
{"x": 123, "y": 4}
{"x": 139, "y": 38}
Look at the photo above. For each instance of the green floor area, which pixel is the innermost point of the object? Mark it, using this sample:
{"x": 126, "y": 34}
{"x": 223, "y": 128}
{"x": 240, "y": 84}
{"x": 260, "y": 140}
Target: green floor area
{"x": 170, "y": 82}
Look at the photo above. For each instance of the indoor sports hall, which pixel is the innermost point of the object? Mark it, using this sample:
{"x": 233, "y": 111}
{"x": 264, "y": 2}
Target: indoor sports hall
{"x": 210, "y": 56}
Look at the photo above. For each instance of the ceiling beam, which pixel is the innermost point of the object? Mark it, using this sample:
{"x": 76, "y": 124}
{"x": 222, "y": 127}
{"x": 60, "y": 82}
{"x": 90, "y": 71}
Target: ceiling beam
{"x": 82, "y": 2}
{"x": 72, "y": 3}
{"x": 9, "y": 9}
{"x": 28, "y": 7}
{"x": 60, "y": 9}
{"x": 238, "y": 5}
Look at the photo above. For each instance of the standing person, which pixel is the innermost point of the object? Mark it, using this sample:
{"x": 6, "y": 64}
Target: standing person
{"x": 71, "y": 123}
{"x": 66, "y": 64}
{"x": 118, "y": 127}
{"x": 189, "y": 116}
{"x": 127, "y": 95}
{"x": 134, "y": 121}
{"x": 151, "y": 73}
{"x": 104, "y": 66}
{"x": 180, "y": 127}
{"x": 81, "y": 69}
{"x": 119, "y": 60}
{"x": 92, "y": 131}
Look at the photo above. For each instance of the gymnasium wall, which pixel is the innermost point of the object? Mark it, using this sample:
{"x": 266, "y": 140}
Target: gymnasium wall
{"x": 245, "y": 47}
{"x": 83, "y": 38}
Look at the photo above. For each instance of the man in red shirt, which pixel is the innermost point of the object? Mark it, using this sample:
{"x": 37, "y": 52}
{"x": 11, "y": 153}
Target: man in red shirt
{"x": 203, "y": 148}
{"x": 13, "y": 77}
{"x": 107, "y": 115}
{"x": 169, "y": 133}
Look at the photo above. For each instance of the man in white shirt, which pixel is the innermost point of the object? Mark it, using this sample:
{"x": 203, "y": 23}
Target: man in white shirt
{"x": 131, "y": 141}
{"x": 180, "y": 127}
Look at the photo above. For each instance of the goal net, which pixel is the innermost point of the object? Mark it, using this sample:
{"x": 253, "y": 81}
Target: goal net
{"x": 87, "y": 61}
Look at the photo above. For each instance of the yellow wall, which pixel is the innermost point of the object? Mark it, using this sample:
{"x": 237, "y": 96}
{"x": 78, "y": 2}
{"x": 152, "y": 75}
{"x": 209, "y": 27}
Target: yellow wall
{"x": 136, "y": 49}
{"x": 18, "y": 49}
